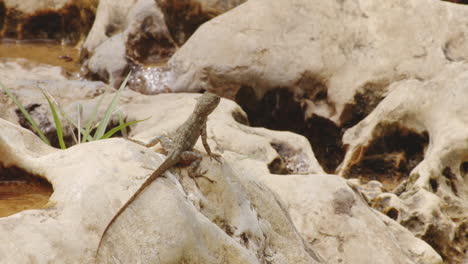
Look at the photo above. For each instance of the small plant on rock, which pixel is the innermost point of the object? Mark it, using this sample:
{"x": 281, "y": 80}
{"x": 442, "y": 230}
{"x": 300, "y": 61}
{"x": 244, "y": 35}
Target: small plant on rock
{"x": 84, "y": 134}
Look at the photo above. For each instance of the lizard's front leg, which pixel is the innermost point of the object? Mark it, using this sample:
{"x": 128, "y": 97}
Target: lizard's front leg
{"x": 203, "y": 136}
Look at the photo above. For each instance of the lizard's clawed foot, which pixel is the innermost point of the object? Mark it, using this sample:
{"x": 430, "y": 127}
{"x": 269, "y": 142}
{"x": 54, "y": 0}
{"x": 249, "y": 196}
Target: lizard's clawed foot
{"x": 210, "y": 180}
{"x": 216, "y": 157}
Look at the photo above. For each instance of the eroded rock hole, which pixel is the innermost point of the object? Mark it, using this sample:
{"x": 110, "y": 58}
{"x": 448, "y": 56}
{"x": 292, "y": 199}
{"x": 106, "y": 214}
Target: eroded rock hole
{"x": 392, "y": 213}
{"x": 364, "y": 102}
{"x": 280, "y": 110}
{"x": 390, "y": 156}
{"x": 12, "y": 19}
{"x": 69, "y": 24}
{"x": 183, "y": 18}
{"x": 278, "y": 166}
{"x": 450, "y": 178}
{"x": 2, "y": 15}
{"x": 437, "y": 238}
{"x": 149, "y": 45}
{"x": 464, "y": 169}
{"x": 21, "y": 191}
{"x": 46, "y": 25}
{"x": 434, "y": 185}
{"x": 290, "y": 160}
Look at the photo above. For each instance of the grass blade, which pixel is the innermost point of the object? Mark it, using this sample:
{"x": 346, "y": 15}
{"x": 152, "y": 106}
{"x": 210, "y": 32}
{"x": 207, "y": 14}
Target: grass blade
{"x": 26, "y": 114}
{"x": 86, "y": 134}
{"x": 122, "y": 126}
{"x": 58, "y": 124}
{"x": 79, "y": 110}
{"x": 110, "y": 109}
{"x": 121, "y": 122}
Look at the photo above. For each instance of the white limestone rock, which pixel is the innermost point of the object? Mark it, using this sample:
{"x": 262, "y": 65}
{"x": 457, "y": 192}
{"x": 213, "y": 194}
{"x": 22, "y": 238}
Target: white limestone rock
{"x": 340, "y": 226}
{"x": 345, "y": 48}
{"x": 235, "y": 219}
{"x": 433, "y": 201}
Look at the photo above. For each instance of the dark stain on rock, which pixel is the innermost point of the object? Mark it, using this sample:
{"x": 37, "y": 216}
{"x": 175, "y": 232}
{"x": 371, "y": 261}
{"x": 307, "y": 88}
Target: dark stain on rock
{"x": 389, "y": 157}
{"x": 343, "y": 201}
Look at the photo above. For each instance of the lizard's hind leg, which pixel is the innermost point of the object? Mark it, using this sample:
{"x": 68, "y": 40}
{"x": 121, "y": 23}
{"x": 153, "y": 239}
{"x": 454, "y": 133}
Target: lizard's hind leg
{"x": 166, "y": 143}
{"x": 194, "y": 159}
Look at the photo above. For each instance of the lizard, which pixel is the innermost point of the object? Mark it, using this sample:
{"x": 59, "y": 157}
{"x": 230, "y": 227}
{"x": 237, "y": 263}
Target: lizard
{"x": 179, "y": 149}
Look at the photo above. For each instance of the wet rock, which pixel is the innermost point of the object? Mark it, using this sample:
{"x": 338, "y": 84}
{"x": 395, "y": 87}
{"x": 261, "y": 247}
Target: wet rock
{"x": 124, "y": 35}
{"x": 127, "y": 35}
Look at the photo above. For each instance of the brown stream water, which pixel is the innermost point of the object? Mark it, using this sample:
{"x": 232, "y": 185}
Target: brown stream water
{"x": 42, "y": 52}
{"x": 20, "y": 195}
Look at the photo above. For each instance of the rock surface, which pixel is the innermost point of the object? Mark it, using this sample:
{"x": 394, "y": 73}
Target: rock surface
{"x": 129, "y": 34}
{"x": 125, "y": 34}
{"x": 366, "y": 83}
{"x": 346, "y": 48}
{"x": 236, "y": 212}
{"x": 233, "y": 220}
{"x": 431, "y": 190}
{"x": 343, "y": 62}
{"x": 340, "y": 226}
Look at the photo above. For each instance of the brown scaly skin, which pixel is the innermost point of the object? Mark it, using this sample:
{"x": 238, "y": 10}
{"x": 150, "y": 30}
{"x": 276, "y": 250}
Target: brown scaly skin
{"x": 180, "y": 149}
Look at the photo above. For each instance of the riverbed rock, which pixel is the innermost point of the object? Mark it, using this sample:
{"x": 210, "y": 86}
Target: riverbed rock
{"x": 416, "y": 143}
{"x": 235, "y": 213}
{"x": 128, "y": 34}
{"x": 233, "y": 210}
{"x": 338, "y": 223}
{"x": 338, "y": 58}
{"x": 361, "y": 69}
{"x": 125, "y": 34}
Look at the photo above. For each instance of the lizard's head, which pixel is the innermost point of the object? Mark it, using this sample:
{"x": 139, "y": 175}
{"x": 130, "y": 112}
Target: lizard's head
{"x": 207, "y": 103}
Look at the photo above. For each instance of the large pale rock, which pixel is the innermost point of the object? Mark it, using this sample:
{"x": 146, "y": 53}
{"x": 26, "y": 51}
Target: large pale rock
{"x": 433, "y": 201}
{"x": 338, "y": 223}
{"x": 345, "y": 50}
{"x": 344, "y": 60}
{"x": 235, "y": 219}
